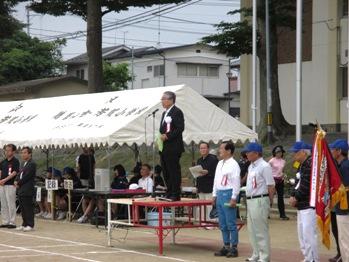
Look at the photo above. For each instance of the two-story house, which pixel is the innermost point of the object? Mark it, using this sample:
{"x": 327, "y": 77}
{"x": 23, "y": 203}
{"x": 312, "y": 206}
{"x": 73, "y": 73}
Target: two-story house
{"x": 198, "y": 66}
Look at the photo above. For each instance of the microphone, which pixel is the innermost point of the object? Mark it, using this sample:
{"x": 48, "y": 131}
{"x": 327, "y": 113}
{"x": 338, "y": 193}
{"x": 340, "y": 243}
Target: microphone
{"x": 153, "y": 113}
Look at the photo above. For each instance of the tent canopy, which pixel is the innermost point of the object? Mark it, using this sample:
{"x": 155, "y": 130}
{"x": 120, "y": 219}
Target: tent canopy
{"x": 113, "y": 118}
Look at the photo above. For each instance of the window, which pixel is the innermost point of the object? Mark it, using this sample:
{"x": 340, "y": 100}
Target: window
{"x": 200, "y": 70}
{"x": 159, "y": 70}
{"x": 80, "y": 74}
{"x": 213, "y": 71}
{"x": 344, "y": 81}
{"x": 149, "y": 69}
{"x": 345, "y": 7}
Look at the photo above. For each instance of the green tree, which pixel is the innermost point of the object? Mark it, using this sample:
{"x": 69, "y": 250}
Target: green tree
{"x": 26, "y": 58}
{"x": 92, "y": 11}
{"x": 115, "y": 76}
{"x": 8, "y": 24}
{"x": 235, "y": 39}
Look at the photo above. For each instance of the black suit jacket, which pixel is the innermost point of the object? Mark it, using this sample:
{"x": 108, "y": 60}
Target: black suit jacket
{"x": 26, "y": 179}
{"x": 174, "y": 144}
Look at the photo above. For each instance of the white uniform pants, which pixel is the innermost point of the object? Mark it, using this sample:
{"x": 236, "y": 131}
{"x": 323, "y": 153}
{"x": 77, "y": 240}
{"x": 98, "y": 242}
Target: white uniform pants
{"x": 258, "y": 227}
{"x": 307, "y": 234}
{"x": 343, "y": 236}
{"x": 8, "y": 204}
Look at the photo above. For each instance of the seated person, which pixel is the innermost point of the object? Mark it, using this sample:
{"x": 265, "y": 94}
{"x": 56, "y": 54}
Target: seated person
{"x": 146, "y": 182}
{"x": 62, "y": 196}
{"x": 159, "y": 182}
{"x": 120, "y": 181}
{"x": 136, "y": 174}
{"x": 52, "y": 173}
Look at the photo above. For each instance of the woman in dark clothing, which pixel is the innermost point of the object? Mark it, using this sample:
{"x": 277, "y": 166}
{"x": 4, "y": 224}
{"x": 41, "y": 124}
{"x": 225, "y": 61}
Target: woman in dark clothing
{"x": 120, "y": 181}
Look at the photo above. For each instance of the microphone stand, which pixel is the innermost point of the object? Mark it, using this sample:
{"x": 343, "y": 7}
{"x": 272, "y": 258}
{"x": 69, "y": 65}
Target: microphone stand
{"x": 153, "y": 114}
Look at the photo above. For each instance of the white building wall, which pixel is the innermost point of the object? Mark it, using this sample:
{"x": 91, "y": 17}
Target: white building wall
{"x": 215, "y": 86}
{"x": 320, "y": 94}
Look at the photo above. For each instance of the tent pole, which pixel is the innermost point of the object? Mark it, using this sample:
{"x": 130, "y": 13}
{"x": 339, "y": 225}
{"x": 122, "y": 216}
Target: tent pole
{"x": 192, "y": 154}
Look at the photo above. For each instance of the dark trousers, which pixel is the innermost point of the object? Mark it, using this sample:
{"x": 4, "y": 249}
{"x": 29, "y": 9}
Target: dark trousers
{"x": 27, "y": 210}
{"x": 172, "y": 173}
{"x": 279, "y": 186}
{"x": 334, "y": 229}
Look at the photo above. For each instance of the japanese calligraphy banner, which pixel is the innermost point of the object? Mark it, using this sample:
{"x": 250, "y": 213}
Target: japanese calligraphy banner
{"x": 122, "y": 117}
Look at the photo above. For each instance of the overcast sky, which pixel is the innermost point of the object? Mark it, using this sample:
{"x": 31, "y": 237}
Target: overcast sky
{"x": 173, "y": 31}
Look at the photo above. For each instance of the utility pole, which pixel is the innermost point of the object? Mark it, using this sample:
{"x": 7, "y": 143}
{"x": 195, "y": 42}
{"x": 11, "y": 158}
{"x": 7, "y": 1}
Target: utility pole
{"x": 269, "y": 99}
{"x": 159, "y": 27}
{"x": 125, "y": 32}
{"x": 28, "y": 19}
{"x": 132, "y": 68}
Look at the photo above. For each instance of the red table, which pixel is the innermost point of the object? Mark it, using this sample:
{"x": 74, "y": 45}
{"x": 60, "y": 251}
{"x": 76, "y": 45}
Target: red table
{"x": 163, "y": 230}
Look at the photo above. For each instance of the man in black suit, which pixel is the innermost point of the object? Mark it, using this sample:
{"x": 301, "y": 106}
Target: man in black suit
{"x": 26, "y": 189}
{"x": 171, "y": 129}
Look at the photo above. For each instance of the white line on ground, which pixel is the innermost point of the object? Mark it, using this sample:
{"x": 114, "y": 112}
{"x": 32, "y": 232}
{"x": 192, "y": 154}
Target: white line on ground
{"x": 22, "y": 256}
{"x": 93, "y": 245}
{"x": 98, "y": 252}
{"x": 47, "y": 252}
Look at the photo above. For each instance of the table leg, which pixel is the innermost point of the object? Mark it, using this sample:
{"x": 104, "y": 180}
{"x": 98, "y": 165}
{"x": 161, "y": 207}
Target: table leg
{"x": 69, "y": 206}
{"x": 161, "y": 231}
{"x": 53, "y": 205}
{"x": 173, "y": 214}
{"x": 109, "y": 223}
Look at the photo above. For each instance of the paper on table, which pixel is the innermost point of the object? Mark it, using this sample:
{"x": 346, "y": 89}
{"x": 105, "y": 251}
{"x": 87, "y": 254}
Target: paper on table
{"x": 196, "y": 171}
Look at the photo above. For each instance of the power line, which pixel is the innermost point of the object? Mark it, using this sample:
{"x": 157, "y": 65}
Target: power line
{"x": 128, "y": 21}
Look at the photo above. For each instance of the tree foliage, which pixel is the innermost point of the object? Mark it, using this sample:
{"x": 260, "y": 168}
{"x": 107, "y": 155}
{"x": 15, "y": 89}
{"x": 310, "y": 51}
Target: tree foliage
{"x": 79, "y": 7}
{"x": 235, "y": 39}
{"x": 115, "y": 76}
{"x": 94, "y": 25}
{"x": 26, "y": 58}
{"x": 8, "y": 24}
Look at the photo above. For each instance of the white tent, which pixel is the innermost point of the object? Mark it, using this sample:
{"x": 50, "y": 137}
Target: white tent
{"x": 112, "y": 118}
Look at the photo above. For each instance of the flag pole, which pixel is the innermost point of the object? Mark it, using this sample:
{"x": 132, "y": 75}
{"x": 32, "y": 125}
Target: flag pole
{"x": 299, "y": 71}
{"x": 254, "y": 65}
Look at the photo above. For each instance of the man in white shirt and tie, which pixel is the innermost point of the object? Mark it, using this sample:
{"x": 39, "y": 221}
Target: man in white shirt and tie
{"x": 146, "y": 182}
{"x": 260, "y": 189}
{"x": 226, "y": 189}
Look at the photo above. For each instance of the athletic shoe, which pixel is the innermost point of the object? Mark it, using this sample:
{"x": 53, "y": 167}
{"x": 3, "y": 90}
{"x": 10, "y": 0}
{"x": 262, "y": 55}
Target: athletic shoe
{"x": 11, "y": 226}
{"x": 61, "y": 216}
{"x": 82, "y": 219}
{"x": 20, "y": 228}
{"x": 252, "y": 259}
{"x": 4, "y": 226}
{"x": 27, "y": 229}
{"x": 41, "y": 214}
{"x": 48, "y": 216}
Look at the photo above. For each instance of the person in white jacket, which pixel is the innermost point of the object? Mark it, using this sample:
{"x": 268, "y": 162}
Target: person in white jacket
{"x": 226, "y": 189}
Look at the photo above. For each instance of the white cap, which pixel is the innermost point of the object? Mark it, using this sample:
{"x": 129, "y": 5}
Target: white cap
{"x": 133, "y": 186}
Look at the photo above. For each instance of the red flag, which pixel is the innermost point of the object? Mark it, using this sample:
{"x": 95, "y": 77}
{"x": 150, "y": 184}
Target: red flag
{"x": 326, "y": 186}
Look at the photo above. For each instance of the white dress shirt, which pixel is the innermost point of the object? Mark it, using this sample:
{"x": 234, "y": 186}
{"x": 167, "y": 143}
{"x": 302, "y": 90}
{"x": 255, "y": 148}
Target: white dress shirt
{"x": 166, "y": 113}
{"x": 259, "y": 177}
{"x": 146, "y": 183}
{"x": 227, "y": 177}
